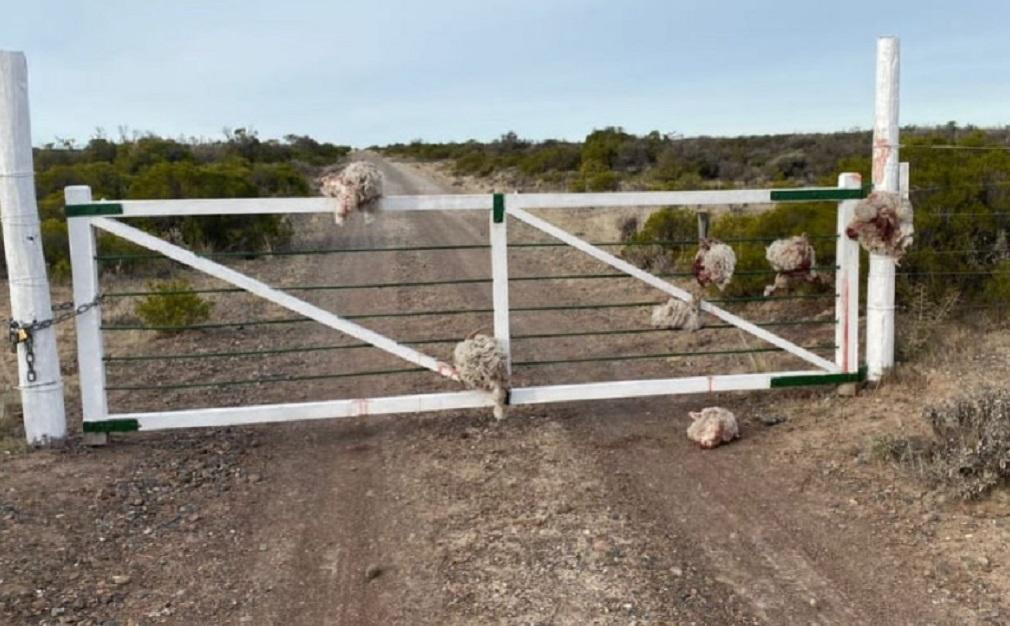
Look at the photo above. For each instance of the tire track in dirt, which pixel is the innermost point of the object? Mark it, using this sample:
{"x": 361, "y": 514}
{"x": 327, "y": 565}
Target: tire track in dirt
{"x": 766, "y": 530}
{"x": 460, "y": 521}
{"x": 567, "y": 514}
{"x": 344, "y": 513}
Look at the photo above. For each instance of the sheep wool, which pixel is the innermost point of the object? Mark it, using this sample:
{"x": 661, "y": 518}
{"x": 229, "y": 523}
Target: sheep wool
{"x": 676, "y": 314}
{"x": 356, "y": 188}
{"x": 714, "y": 264}
{"x": 712, "y": 426}
{"x": 793, "y": 259}
{"x": 883, "y": 224}
{"x": 481, "y": 364}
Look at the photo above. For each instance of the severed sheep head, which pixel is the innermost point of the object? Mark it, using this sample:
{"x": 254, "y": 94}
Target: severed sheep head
{"x": 481, "y": 364}
{"x": 356, "y": 188}
{"x": 676, "y": 314}
{"x": 714, "y": 264}
{"x": 712, "y": 426}
{"x": 793, "y": 260}
{"x": 883, "y": 224}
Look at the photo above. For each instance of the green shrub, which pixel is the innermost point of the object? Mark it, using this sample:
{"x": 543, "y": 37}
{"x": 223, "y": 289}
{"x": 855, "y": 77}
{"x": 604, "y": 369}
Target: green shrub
{"x": 152, "y": 167}
{"x": 664, "y": 226}
{"x": 56, "y": 246}
{"x": 174, "y": 304}
{"x": 474, "y": 163}
{"x": 602, "y": 181}
{"x": 996, "y": 288}
{"x": 551, "y": 158}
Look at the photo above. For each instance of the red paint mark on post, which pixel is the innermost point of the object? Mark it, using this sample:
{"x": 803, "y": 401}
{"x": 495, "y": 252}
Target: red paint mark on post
{"x": 881, "y": 154}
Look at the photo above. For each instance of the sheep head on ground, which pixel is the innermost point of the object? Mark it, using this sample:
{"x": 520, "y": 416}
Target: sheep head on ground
{"x": 712, "y": 426}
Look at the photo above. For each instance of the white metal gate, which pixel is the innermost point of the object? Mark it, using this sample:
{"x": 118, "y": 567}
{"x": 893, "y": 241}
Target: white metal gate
{"x": 85, "y": 217}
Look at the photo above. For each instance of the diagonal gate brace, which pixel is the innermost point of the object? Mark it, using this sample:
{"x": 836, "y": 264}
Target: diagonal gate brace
{"x": 676, "y": 292}
{"x": 276, "y": 296}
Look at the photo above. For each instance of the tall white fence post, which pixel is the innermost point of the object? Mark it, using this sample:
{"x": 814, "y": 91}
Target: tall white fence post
{"x": 500, "y": 275}
{"x": 880, "y": 284}
{"x": 84, "y": 269}
{"x": 847, "y": 282}
{"x": 42, "y": 398}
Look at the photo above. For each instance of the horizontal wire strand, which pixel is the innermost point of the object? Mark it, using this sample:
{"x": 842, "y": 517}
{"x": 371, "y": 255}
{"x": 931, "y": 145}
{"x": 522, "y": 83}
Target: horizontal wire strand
{"x": 285, "y": 379}
{"x": 827, "y": 269}
{"x": 546, "y": 244}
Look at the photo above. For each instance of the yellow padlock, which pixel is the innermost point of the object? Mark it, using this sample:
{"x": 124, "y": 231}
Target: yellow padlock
{"x": 22, "y": 335}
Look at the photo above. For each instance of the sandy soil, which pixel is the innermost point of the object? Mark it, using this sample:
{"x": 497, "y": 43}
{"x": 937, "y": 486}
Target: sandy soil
{"x": 567, "y": 514}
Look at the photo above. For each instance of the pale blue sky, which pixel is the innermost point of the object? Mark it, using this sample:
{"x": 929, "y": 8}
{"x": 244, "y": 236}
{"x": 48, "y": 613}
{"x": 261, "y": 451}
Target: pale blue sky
{"x": 378, "y": 71}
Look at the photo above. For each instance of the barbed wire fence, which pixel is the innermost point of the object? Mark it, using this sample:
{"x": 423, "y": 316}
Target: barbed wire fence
{"x": 958, "y": 269}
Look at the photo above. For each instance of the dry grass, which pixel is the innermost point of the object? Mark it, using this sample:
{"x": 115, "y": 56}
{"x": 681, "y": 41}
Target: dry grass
{"x": 924, "y": 319}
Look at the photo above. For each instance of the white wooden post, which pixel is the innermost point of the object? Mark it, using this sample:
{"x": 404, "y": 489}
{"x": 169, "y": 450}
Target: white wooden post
{"x": 500, "y": 275}
{"x": 42, "y": 399}
{"x": 84, "y": 269}
{"x": 847, "y": 282}
{"x": 880, "y": 284}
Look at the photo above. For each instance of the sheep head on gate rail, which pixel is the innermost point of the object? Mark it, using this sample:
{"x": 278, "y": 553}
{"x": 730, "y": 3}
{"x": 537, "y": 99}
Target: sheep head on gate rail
{"x": 714, "y": 263}
{"x": 482, "y": 364}
{"x": 356, "y": 188}
{"x": 676, "y": 314}
{"x": 793, "y": 260}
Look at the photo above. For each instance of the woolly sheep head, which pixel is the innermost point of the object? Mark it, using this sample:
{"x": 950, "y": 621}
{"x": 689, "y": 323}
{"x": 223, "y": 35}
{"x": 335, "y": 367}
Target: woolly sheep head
{"x": 712, "y": 426}
{"x": 714, "y": 264}
{"x": 481, "y": 364}
{"x": 792, "y": 258}
{"x": 356, "y": 188}
{"x": 883, "y": 224}
{"x": 675, "y": 314}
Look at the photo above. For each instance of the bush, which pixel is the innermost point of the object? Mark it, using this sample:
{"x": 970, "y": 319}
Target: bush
{"x": 175, "y": 304}
{"x": 971, "y": 453}
{"x": 553, "y": 157}
{"x": 664, "y": 226}
{"x": 152, "y": 167}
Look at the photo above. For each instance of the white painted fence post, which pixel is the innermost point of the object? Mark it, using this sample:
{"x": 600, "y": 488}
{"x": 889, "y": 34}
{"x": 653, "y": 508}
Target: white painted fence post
{"x": 84, "y": 269}
{"x": 42, "y": 400}
{"x": 880, "y": 284}
{"x": 847, "y": 282}
{"x": 500, "y": 276}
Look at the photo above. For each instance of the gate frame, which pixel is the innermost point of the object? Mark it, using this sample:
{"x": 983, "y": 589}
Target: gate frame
{"x": 85, "y": 216}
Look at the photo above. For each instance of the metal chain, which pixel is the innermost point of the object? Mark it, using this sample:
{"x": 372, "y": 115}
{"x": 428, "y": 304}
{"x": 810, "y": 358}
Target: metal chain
{"x": 19, "y": 332}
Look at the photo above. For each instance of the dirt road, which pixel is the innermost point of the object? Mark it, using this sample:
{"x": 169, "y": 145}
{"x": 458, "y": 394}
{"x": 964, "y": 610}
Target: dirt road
{"x": 568, "y": 514}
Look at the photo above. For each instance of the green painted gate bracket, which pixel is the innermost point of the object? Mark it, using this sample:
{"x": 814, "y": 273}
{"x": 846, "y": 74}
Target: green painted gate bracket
{"x": 498, "y": 208}
{"x": 111, "y": 426}
{"x": 816, "y": 195}
{"x": 818, "y": 379}
{"x": 97, "y": 208}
